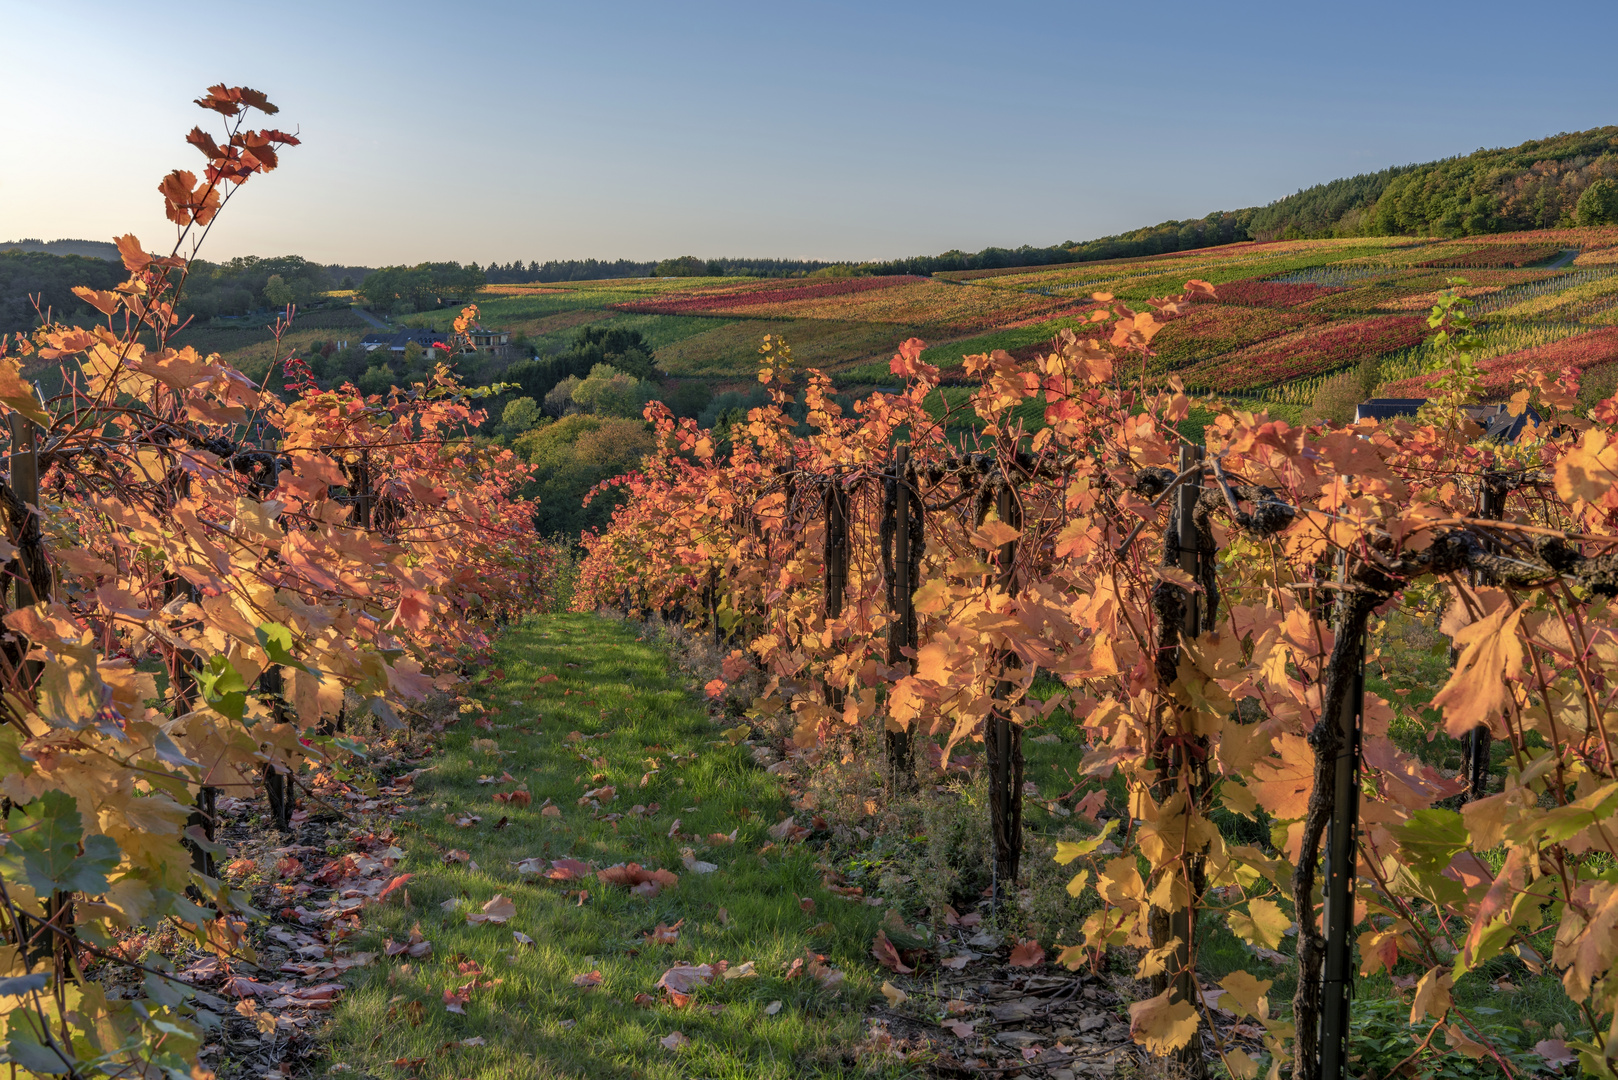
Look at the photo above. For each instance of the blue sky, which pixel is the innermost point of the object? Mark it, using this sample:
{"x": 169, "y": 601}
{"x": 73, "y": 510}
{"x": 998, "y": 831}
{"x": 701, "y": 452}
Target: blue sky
{"x": 497, "y": 131}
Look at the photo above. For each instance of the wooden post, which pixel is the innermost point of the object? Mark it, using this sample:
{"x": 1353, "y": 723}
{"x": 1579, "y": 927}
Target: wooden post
{"x": 1182, "y": 923}
{"x": 1491, "y": 505}
{"x": 836, "y": 562}
{"x": 1003, "y": 742}
{"x": 900, "y": 745}
{"x": 34, "y": 579}
{"x": 1342, "y": 855}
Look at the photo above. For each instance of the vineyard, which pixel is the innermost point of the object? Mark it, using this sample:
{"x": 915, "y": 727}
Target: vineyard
{"x": 1325, "y": 784}
{"x": 218, "y": 594}
{"x": 1202, "y": 613}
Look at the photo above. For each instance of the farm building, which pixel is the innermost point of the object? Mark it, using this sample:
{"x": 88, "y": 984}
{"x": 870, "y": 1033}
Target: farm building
{"x": 397, "y": 343}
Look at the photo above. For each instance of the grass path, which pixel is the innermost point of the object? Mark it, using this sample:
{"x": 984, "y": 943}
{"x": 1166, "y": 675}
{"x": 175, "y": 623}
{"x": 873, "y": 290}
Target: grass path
{"x": 637, "y": 724}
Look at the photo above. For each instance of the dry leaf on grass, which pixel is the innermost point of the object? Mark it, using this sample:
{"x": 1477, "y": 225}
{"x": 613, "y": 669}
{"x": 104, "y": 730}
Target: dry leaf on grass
{"x": 497, "y": 910}
{"x": 673, "y": 1041}
{"x": 887, "y": 955}
{"x": 416, "y": 946}
{"x": 694, "y": 864}
{"x": 663, "y": 934}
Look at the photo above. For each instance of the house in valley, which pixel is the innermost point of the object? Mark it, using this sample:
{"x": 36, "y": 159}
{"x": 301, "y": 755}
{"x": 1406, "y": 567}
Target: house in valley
{"x": 398, "y": 342}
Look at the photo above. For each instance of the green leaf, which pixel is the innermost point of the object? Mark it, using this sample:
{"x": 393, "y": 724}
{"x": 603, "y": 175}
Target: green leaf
{"x": 276, "y": 641}
{"x": 25, "y": 1047}
{"x": 22, "y": 984}
{"x": 1431, "y": 838}
{"x": 223, "y": 688}
{"x": 43, "y": 849}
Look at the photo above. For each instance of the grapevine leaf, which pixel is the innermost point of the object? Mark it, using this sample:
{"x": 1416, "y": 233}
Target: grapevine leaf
{"x": 276, "y": 641}
{"x": 44, "y": 849}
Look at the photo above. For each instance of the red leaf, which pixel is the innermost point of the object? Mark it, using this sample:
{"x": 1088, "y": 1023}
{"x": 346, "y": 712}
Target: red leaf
{"x": 1027, "y": 954}
{"x": 888, "y": 956}
{"x": 391, "y": 886}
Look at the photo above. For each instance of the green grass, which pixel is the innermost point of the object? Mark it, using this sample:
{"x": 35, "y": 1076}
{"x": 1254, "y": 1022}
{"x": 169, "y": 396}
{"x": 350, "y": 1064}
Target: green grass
{"x": 536, "y": 1022}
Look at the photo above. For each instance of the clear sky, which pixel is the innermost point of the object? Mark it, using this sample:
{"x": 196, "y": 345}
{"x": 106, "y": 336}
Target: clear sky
{"x": 480, "y": 130}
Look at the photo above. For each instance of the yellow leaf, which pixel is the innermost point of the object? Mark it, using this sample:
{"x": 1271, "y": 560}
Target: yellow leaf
{"x": 932, "y": 663}
{"x": 1432, "y": 996}
{"x": 895, "y": 996}
{"x": 1477, "y": 689}
{"x": 1161, "y": 1025}
{"x": 1238, "y": 800}
{"x": 1459, "y": 1040}
{"x": 931, "y": 598}
{"x": 1075, "y": 888}
{"x": 1264, "y": 925}
{"x": 1157, "y": 961}
{"x": 1282, "y": 787}
{"x": 1068, "y": 850}
{"x": 904, "y": 704}
{"x": 1590, "y": 470}
{"x": 1247, "y": 991}
{"x": 1241, "y": 1066}
{"x": 993, "y": 534}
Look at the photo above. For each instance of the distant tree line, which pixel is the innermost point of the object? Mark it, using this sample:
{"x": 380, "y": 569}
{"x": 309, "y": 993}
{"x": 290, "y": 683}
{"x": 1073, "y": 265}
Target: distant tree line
{"x": 27, "y": 277}
{"x": 239, "y": 287}
{"x": 520, "y": 273}
{"x": 403, "y": 290}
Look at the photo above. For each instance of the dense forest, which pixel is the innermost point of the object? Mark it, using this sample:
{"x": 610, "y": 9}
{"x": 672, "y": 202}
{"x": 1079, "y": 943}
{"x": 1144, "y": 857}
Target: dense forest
{"x": 238, "y": 287}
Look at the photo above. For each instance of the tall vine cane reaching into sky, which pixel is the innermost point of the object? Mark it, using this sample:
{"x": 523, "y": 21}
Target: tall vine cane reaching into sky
{"x": 272, "y": 555}
{"x": 1296, "y": 536}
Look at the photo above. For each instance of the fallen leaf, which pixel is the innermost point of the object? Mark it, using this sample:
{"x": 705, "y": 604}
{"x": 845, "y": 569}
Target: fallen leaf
{"x": 497, "y": 910}
{"x": 673, "y": 1041}
{"x": 887, "y": 955}
{"x": 1027, "y": 954}
{"x": 588, "y": 980}
{"x": 772, "y": 1008}
{"x": 895, "y": 996}
{"x": 682, "y": 979}
{"x": 663, "y": 934}
{"x": 1555, "y": 1052}
{"x": 567, "y": 870}
{"x": 694, "y": 864}
{"x": 521, "y": 938}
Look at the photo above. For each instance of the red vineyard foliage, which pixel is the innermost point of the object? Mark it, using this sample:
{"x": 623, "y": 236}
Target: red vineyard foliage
{"x": 759, "y": 296}
{"x": 1310, "y": 352}
{"x": 1498, "y": 256}
{"x": 1573, "y": 356}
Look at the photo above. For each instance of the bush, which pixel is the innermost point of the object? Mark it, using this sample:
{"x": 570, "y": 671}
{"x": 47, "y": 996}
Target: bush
{"x": 1599, "y": 204}
{"x": 574, "y": 455}
{"x": 519, "y": 417}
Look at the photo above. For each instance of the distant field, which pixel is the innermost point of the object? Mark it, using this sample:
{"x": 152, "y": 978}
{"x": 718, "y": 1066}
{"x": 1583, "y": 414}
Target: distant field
{"x": 1287, "y": 315}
